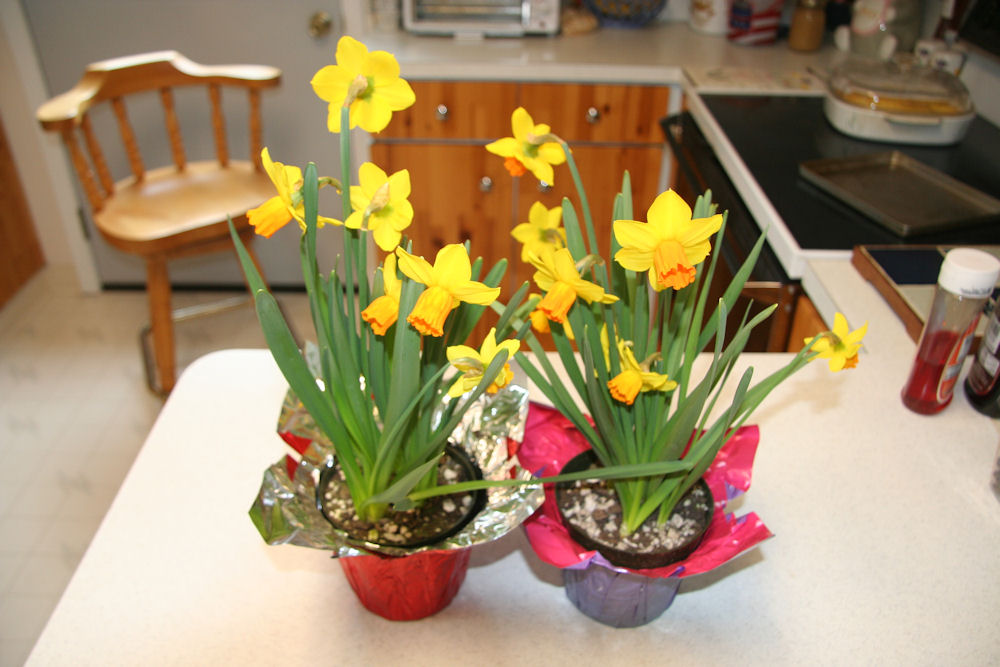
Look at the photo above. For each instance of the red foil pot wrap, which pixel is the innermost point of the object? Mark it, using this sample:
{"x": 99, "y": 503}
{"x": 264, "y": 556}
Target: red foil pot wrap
{"x": 551, "y": 440}
{"x": 407, "y": 588}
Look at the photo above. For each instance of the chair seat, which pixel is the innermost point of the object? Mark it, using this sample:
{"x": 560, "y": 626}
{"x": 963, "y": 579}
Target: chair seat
{"x": 169, "y": 209}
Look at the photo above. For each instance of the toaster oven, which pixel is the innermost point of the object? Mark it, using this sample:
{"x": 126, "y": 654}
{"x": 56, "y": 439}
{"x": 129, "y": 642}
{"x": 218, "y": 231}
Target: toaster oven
{"x": 488, "y": 18}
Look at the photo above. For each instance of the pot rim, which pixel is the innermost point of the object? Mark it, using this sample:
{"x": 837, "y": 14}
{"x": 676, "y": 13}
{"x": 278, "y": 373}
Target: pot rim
{"x": 625, "y": 558}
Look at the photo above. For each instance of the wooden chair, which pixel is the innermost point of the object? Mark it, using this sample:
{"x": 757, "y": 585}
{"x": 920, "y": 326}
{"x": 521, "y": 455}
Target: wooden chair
{"x": 172, "y": 211}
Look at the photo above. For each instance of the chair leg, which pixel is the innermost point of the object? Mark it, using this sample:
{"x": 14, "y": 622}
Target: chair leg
{"x": 161, "y": 322}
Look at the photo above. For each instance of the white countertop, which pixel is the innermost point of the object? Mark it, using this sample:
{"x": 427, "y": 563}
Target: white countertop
{"x": 885, "y": 552}
{"x": 654, "y": 54}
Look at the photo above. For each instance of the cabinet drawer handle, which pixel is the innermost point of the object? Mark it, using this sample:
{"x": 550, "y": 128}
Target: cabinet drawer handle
{"x": 593, "y": 115}
{"x": 485, "y": 184}
{"x": 441, "y": 112}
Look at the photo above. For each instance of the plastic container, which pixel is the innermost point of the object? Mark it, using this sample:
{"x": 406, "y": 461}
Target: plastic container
{"x": 982, "y": 386}
{"x": 898, "y": 103}
{"x": 966, "y": 280}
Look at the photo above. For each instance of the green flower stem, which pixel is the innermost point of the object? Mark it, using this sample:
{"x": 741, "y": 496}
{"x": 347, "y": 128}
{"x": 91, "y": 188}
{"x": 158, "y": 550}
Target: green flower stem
{"x": 588, "y": 221}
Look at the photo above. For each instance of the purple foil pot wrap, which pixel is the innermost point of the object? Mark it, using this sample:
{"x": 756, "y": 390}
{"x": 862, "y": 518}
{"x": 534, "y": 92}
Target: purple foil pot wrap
{"x": 618, "y": 596}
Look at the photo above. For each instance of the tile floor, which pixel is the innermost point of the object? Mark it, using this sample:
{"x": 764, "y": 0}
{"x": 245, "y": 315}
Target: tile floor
{"x": 74, "y": 410}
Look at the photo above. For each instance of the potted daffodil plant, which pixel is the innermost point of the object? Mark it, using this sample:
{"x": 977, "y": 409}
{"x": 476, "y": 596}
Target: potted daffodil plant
{"x": 374, "y": 403}
{"x": 627, "y": 332}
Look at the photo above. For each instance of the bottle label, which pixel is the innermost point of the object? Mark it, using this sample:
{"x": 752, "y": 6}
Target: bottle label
{"x": 946, "y": 386}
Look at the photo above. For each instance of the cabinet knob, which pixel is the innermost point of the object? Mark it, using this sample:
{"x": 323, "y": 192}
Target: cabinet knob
{"x": 544, "y": 187}
{"x": 320, "y": 24}
{"x": 485, "y": 184}
{"x": 441, "y": 112}
{"x": 593, "y": 115}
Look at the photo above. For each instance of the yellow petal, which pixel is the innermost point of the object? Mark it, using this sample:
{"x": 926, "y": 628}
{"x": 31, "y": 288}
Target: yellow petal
{"x": 452, "y": 265}
{"x": 351, "y": 53}
{"x": 399, "y": 185}
{"x": 506, "y": 147}
{"x": 371, "y": 177}
{"x": 354, "y": 219}
{"x": 414, "y": 267}
{"x": 460, "y": 352}
{"x": 397, "y": 94}
{"x": 521, "y": 124}
{"x": 668, "y": 213}
{"x": 634, "y": 260}
{"x": 635, "y": 235}
{"x": 475, "y": 293}
{"x": 369, "y": 115}
{"x": 552, "y": 153}
{"x": 387, "y": 238}
{"x": 540, "y": 169}
{"x": 381, "y": 65}
{"x": 330, "y": 84}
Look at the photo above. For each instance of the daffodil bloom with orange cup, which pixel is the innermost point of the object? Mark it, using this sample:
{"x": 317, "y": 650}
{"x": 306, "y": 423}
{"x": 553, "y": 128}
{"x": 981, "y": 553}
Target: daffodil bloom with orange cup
{"x": 448, "y": 282}
{"x": 368, "y": 82}
{"x": 281, "y": 209}
{"x": 840, "y": 346}
{"x": 669, "y": 244}
{"x": 383, "y": 312}
{"x": 542, "y": 230}
{"x": 558, "y": 276}
{"x": 635, "y": 377}
{"x": 381, "y": 205}
{"x": 532, "y": 148}
{"x": 473, "y": 363}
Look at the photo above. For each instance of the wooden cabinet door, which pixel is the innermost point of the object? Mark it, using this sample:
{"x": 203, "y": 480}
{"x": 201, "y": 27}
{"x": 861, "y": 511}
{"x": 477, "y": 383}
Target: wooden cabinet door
{"x": 608, "y": 113}
{"x": 467, "y": 110}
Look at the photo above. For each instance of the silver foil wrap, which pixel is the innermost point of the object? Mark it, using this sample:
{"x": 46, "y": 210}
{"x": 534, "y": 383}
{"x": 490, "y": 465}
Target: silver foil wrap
{"x": 285, "y": 510}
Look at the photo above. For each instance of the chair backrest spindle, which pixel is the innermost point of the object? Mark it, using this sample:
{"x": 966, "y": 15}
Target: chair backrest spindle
{"x": 256, "y": 131}
{"x": 128, "y": 139}
{"x": 173, "y": 128}
{"x": 218, "y": 125}
{"x": 83, "y": 171}
{"x": 97, "y": 156}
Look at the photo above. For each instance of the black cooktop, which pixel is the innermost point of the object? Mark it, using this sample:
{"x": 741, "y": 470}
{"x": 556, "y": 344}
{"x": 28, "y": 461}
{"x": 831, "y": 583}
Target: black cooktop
{"x": 773, "y": 134}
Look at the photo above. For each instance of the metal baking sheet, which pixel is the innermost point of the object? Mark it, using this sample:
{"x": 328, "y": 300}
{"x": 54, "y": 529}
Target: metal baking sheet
{"x": 902, "y": 194}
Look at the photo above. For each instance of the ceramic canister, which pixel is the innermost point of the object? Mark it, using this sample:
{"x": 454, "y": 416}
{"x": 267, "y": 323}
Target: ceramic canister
{"x": 710, "y": 17}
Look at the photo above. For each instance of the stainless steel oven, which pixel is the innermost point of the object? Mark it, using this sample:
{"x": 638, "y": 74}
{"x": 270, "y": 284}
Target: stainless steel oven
{"x": 490, "y": 18}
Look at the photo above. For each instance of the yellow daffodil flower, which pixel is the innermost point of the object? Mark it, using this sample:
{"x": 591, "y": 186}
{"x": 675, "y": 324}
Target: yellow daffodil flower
{"x": 841, "y": 345}
{"x": 529, "y": 149}
{"x": 473, "y": 364}
{"x": 384, "y": 310}
{"x": 448, "y": 282}
{"x": 384, "y": 198}
{"x": 635, "y": 377}
{"x": 669, "y": 245}
{"x": 368, "y": 82}
{"x": 559, "y": 278}
{"x": 541, "y": 231}
{"x": 279, "y": 210}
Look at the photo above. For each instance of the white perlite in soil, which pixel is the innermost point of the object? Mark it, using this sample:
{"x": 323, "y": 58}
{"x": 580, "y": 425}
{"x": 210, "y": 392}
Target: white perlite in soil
{"x": 436, "y": 516}
{"x": 592, "y": 508}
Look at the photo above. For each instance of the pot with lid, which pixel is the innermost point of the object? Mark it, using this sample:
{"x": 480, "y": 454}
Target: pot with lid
{"x": 898, "y": 102}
